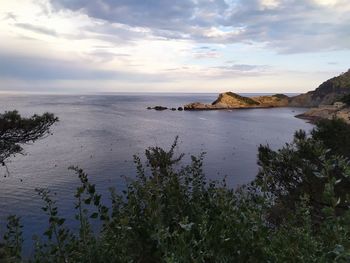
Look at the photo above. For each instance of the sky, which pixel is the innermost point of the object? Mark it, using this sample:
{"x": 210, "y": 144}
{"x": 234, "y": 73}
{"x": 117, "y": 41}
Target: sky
{"x": 82, "y": 46}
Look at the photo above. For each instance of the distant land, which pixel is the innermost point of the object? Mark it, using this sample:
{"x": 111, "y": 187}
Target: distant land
{"x": 330, "y": 99}
{"x": 230, "y": 100}
{"x": 327, "y": 93}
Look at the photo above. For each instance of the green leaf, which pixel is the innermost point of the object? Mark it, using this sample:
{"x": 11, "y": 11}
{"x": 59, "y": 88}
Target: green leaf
{"x": 94, "y": 215}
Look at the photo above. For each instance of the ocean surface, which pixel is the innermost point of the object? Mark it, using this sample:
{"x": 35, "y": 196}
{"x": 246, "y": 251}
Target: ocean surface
{"x": 101, "y": 133}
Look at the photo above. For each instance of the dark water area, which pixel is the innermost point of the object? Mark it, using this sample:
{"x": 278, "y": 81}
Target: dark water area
{"x": 101, "y": 133}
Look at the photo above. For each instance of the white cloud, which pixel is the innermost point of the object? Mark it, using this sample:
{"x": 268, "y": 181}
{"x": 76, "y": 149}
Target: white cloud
{"x": 269, "y": 4}
{"x": 326, "y": 2}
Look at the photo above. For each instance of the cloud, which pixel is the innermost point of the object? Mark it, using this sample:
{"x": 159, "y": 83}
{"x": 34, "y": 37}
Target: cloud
{"x": 243, "y": 67}
{"x": 165, "y": 15}
{"x": 34, "y": 68}
{"x": 180, "y": 43}
{"x": 206, "y": 52}
{"x": 241, "y": 70}
{"x": 9, "y": 16}
{"x": 37, "y": 29}
{"x": 289, "y": 26}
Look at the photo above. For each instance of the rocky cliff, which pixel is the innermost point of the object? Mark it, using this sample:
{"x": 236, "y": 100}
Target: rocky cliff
{"x": 327, "y": 93}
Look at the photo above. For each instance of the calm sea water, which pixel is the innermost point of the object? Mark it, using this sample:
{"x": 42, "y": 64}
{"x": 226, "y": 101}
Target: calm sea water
{"x": 101, "y": 133}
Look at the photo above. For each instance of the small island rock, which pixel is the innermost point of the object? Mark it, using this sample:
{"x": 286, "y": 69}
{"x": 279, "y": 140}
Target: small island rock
{"x": 160, "y": 108}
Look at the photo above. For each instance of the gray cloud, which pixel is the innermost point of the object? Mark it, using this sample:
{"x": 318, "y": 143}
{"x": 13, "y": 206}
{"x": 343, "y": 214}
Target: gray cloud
{"x": 292, "y": 26}
{"x": 206, "y": 55}
{"x": 243, "y": 67}
{"x": 165, "y": 15}
{"x": 10, "y": 16}
{"x": 34, "y": 68}
{"x": 103, "y": 55}
{"x": 242, "y": 70}
{"x": 37, "y": 29}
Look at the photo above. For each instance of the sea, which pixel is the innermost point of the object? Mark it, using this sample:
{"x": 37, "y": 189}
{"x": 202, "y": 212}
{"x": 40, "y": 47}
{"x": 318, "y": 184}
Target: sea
{"x": 101, "y": 133}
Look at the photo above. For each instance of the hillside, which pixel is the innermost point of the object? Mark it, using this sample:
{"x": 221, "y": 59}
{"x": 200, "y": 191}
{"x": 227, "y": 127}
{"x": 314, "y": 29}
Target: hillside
{"x": 327, "y": 93}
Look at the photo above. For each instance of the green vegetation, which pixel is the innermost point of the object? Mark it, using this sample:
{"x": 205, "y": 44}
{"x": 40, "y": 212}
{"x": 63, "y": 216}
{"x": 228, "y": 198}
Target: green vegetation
{"x": 346, "y": 99}
{"x": 335, "y": 135}
{"x": 280, "y": 96}
{"x": 295, "y": 211}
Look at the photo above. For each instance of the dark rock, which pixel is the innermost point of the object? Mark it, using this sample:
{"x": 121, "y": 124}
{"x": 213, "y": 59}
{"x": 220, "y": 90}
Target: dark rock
{"x": 160, "y": 108}
{"x": 149, "y": 108}
{"x": 173, "y": 109}
{"x": 180, "y": 109}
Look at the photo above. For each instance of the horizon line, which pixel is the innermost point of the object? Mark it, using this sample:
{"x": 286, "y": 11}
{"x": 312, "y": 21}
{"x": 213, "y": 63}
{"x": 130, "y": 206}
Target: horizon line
{"x": 23, "y": 93}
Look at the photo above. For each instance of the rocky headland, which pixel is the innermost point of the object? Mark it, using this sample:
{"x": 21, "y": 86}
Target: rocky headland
{"x": 230, "y": 100}
{"x": 324, "y": 102}
{"x": 331, "y": 99}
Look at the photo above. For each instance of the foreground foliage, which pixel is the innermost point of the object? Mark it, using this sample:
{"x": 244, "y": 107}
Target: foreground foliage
{"x": 16, "y": 130}
{"x": 295, "y": 211}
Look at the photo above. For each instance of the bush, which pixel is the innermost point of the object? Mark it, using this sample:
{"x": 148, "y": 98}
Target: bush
{"x": 171, "y": 213}
{"x": 346, "y": 99}
{"x": 334, "y": 134}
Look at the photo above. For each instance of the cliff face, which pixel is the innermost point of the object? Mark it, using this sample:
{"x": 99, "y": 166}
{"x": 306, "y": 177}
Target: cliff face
{"x": 327, "y": 93}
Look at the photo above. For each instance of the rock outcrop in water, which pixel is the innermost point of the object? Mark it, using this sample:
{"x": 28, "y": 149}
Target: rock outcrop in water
{"x": 230, "y": 100}
{"x": 158, "y": 108}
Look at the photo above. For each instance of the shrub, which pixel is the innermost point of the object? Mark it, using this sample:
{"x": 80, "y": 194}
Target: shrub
{"x": 346, "y": 99}
{"x": 172, "y": 213}
{"x": 334, "y": 134}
